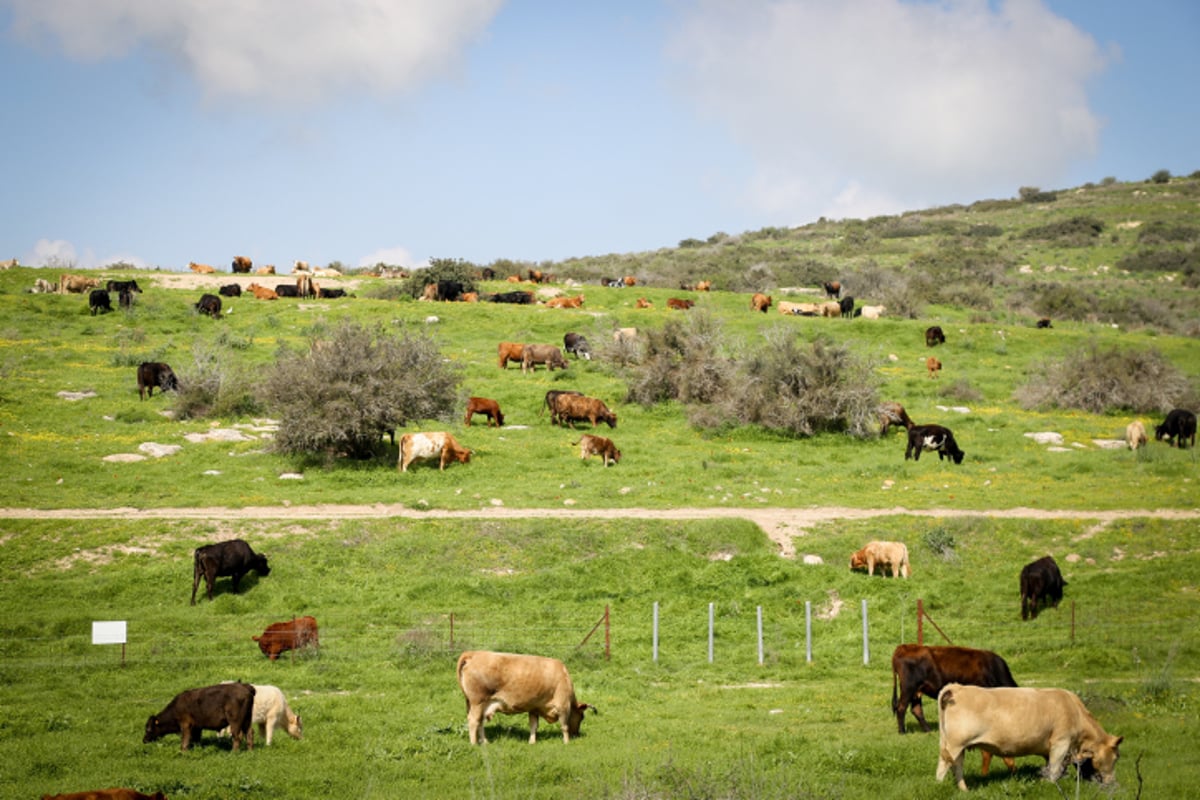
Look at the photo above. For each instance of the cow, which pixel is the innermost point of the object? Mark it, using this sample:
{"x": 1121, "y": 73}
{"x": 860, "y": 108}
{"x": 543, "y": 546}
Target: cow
{"x": 1010, "y": 721}
{"x": 550, "y": 398}
{"x": 11, "y": 263}
{"x": 1042, "y": 584}
{"x": 230, "y": 290}
{"x": 262, "y": 292}
{"x": 326, "y": 272}
{"x": 43, "y": 286}
{"x": 933, "y": 366}
{"x": 125, "y": 299}
{"x": 76, "y": 284}
{"x": 106, "y": 794}
{"x": 1178, "y": 428}
{"x": 629, "y": 280}
{"x": 870, "y": 312}
{"x": 704, "y": 286}
{"x": 565, "y": 302}
{"x": 437, "y": 444}
{"x": 536, "y": 276}
{"x": 489, "y": 408}
{"x": 299, "y": 266}
{"x": 232, "y": 559}
{"x": 269, "y": 269}
{"x": 846, "y": 304}
{"x": 510, "y": 351}
{"x": 642, "y": 302}
{"x": 330, "y": 294}
{"x": 798, "y": 309}
{"x": 294, "y": 634}
{"x": 833, "y": 289}
{"x": 832, "y": 309}
{"x": 155, "y": 373}
{"x": 202, "y": 269}
{"x": 123, "y": 286}
{"x": 760, "y": 302}
{"x": 934, "y": 336}
{"x": 598, "y": 446}
{"x": 519, "y": 298}
{"x": 920, "y": 670}
{"x": 932, "y": 437}
{"x": 241, "y": 264}
{"x": 885, "y": 555}
{"x": 680, "y": 304}
{"x": 518, "y": 684}
{"x": 287, "y": 290}
{"x": 99, "y": 302}
{"x": 207, "y": 708}
{"x": 1044, "y": 322}
{"x": 271, "y": 711}
{"x": 210, "y": 305}
{"x": 625, "y": 335}
{"x": 547, "y": 354}
{"x": 893, "y": 414}
{"x": 1135, "y": 434}
{"x": 570, "y": 408}
{"x": 577, "y": 345}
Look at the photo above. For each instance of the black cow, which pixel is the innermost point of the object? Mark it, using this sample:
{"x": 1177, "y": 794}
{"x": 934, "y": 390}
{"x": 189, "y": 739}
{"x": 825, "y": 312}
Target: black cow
{"x": 520, "y": 298}
{"x": 155, "y": 373}
{"x": 1178, "y": 428}
{"x": 209, "y": 304}
{"x": 918, "y": 670}
{"x": 123, "y": 286}
{"x": 231, "y": 290}
{"x": 487, "y": 274}
{"x": 932, "y": 437}
{"x": 1041, "y": 585}
{"x": 125, "y": 299}
{"x": 833, "y": 289}
{"x": 934, "y": 336}
{"x": 331, "y": 294}
{"x": 450, "y": 290}
{"x": 233, "y": 558}
{"x": 207, "y": 708}
{"x": 98, "y": 301}
{"x": 577, "y": 345}
{"x": 847, "y": 306}
{"x": 287, "y": 290}
{"x": 1044, "y": 322}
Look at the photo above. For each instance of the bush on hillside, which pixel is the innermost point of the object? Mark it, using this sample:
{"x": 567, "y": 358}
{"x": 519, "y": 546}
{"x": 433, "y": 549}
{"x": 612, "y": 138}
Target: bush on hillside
{"x": 1073, "y": 232}
{"x": 1032, "y": 194}
{"x": 441, "y": 269}
{"x": 1107, "y": 380}
{"x": 682, "y": 361}
{"x": 1185, "y": 261}
{"x": 1160, "y": 232}
{"x": 341, "y": 394}
{"x": 214, "y": 387}
{"x": 1161, "y": 176}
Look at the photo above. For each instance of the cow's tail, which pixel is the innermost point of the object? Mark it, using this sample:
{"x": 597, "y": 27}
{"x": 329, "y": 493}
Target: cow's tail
{"x": 946, "y": 699}
{"x": 895, "y": 694}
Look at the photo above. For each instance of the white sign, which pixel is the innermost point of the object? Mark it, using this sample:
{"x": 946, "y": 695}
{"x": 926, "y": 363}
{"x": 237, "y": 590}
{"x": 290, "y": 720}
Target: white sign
{"x": 108, "y": 632}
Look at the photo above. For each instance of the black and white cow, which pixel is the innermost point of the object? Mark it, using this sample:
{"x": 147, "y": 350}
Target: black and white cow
{"x": 932, "y": 437}
{"x": 577, "y": 345}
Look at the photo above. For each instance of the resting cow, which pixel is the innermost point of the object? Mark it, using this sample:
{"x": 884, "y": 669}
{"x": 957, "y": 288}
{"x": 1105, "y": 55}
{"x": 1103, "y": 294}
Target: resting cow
{"x": 262, "y": 292}
{"x": 680, "y": 304}
{"x": 598, "y": 446}
{"x": 1179, "y": 428}
{"x": 294, "y": 634}
{"x": 230, "y": 290}
{"x": 207, "y": 708}
{"x": 438, "y": 444}
{"x": 517, "y": 684}
{"x": 791, "y": 309}
{"x": 155, "y": 373}
{"x": 932, "y": 437}
{"x": 518, "y": 298}
{"x": 203, "y": 269}
{"x": 885, "y": 555}
{"x": 1042, "y": 584}
{"x": 76, "y": 284}
{"x": 489, "y": 408}
{"x": 106, "y": 794}
{"x": 1052, "y": 723}
{"x": 209, "y": 304}
{"x": 233, "y": 559}
{"x": 568, "y": 409}
{"x": 547, "y": 354}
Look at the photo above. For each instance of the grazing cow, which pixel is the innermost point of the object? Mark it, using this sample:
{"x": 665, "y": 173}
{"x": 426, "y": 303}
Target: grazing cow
{"x": 680, "y": 304}
{"x": 209, "y": 304}
{"x": 207, "y": 708}
{"x": 598, "y": 446}
{"x": 10, "y": 264}
{"x": 241, "y": 264}
{"x": 518, "y": 684}
{"x": 271, "y": 710}
{"x": 106, "y": 794}
{"x": 625, "y": 335}
{"x": 449, "y": 291}
{"x": 437, "y": 444}
{"x": 550, "y": 398}
{"x": 846, "y": 304}
{"x": 1042, "y": 585}
{"x": 1044, "y": 322}
{"x": 262, "y": 292}
{"x": 202, "y": 269}
{"x": 570, "y": 408}
{"x": 831, "y": 309}
{"x": 760, "y": 302}
{"x": 510, "y": 351}
{"x": 76, "y": 284}
{"x": 99, "y": 301}
{"x": 1052, "y": 723}
{"x": 232, "y": 559}
{"x": 919, "y": 670}
{"x": 1135, "y": 434}
{"x": 565, "y": 302}
{"x": 489, "y": 408}
{"x": 155, "y": 373}
{"x": 643, "y": 303}
{"x": 1178, "y": 428}
{"x": 123, "y": 286}
{"x": 519, "y": 298}
{"x": 892, "y": 414}
{"x": 230, "y": 290}
{"x": 887, "y": 555}
{"x": 932, "y": 437}
{"x": 833, "y": 289}
{"x": 287, "y": 290}
{"x": 798, "y": 309}
{"x": 934, "y": 336}
{"x": 933, "y": 366}
{"x": 870, "y": 312}
{"x": 294, "y": 634}
{"x": 546, "y": 354}
{"x": 577, "y": 345}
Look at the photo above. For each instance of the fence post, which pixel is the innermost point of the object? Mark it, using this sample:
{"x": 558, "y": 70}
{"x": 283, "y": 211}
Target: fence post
{"x": 920, "y": 621}
{"x": 866, "y": 645}
{"x": 655, "y": 647}
{"x": 451, "y": 630}
{"x": 710, "y": 633}
{"x": 760, "y": 642}
{"x": 808, "y": 630}
{"x": 607, "y": 635}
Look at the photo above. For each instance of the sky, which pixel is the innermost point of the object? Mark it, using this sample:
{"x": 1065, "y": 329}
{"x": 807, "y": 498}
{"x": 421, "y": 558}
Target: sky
{"x": 160, "y": 132}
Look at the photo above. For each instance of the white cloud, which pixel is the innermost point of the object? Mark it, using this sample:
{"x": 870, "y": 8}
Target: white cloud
{"x": 53, "y": 253}
{"x": 392, "y": 256}
{"x": 883, "y": 100}
{"x": 278, "y": 50}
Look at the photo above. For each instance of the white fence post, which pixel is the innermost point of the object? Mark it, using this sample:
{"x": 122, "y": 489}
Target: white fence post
{"x": 760, "y": 642}
{"x": 866, "y": 643}
{"x": 710, "y": 633}
{"x": 655, "y": 647}
{"x": 808, "y": 630}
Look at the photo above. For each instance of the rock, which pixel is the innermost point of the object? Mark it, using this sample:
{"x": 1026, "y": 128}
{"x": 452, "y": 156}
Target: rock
{"x": 159, "y": 450}
{"x": 1046, "y": 437}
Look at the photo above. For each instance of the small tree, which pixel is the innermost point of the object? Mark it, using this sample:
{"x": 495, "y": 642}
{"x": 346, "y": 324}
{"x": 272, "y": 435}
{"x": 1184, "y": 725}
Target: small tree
{"x": 441, "y": 269}
{"x": 344, "y": 392}
{"x": 1162, "y": 176}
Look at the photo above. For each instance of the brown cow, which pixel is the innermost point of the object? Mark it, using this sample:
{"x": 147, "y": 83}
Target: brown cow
{"x": 679, "y": 304}
{"x": 207, "y": 708}
{"x": 510, "y": 351}
{"x": 241, "y": 264}
{"x": 547, "y": 354}
{"x": 106, "y": 794}
{"x": 643, "y": 303}
{"x": 598, "y": 446}
{"x": 833, "y": 289}
{"x": 155, "y": 373}
{"x": 438, "y": 444}
{"x": 76, "y": 284}
{"x": 887, "y": 555}
{"x": 203, "y": 269}
{"x": 518, "y": 684}
{"x": 933, "y": 366}
{"x": 570, "y": 408}
{"x": 565, "y": 302}
{"x": 489, "y": 408}
{"x": 704, "y": 286}
{"x": 760, "y": 302}
{"x": 893, "y": 414}
{"x": 629, "y": 280}
{"x": 934, "y": 336}
{"x": 269, "y": 269}
{"x": 262, "y": 292}
{"x": 295, "y": 634}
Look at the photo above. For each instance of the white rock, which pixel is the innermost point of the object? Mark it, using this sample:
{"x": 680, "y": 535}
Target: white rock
{"x": 1046, "y": 437}
{"x": 159, "y": 450}
{"x": 124, "y": 458}
{"x": 813, "y": 560}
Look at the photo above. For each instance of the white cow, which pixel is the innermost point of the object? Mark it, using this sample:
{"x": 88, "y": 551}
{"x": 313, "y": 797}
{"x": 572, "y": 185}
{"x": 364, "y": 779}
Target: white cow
{"x": 271, "y": 709}
{"x": 1135, "y": 434}
{"x": 873, "y": 312}
{"x": 518, "y": 684}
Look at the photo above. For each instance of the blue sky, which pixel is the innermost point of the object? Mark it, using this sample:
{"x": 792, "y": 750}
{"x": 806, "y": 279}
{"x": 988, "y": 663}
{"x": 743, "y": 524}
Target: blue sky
{"x": 166, "y": 131}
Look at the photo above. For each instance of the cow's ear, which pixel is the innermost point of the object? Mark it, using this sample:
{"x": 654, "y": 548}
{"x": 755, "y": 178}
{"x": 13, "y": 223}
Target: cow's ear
{"x": 1117, "y": 743}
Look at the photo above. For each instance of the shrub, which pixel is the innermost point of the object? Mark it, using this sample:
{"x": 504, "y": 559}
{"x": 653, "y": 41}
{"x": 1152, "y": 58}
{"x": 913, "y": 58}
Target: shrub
{"x": 1076, "y": 231}
{"x": 1161, "y": 176}
{"x": 1108, "y": 380}
{"x": 441, "y": 269}
{"x": 1160, "y": 232}
{"x": 681, "y": 361}
{"x": 1032, "y": 194}
{"x": 340, "y": 395}
{"x": 214, "y": 387}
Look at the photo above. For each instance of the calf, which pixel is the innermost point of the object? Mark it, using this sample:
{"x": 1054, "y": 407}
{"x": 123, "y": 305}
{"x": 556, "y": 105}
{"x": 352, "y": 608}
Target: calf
{"x": 207, "y": 708}
{"x": 934, "y": 336}
{"x": 642, "y": 302}
{"x": 233, "y": 559}
{"x": 294, "y": 634}
{"x": 598, "y": 446}
{"x": 760, "y": 302}
{"x": 933, "y": 366}
{"x": 577, "y": 345}
{"x": 1179, "y": 428}
{"x": 547, "y": 354}
{"x": 99, "y": 301}
{"x": 489, "y": 408}
{"x": 209, "y": 304}
{"x": 887, "y": 555}
{"x": 155, "y": 373}
{"x": 1135, "y": 434}
{"x": 510, "y": 351}
{"x": 437, "y": 444}
{"x": 230, "y": 290}
{"x": 517, "y": 684}
{"x": 1042, "y": 584}
{"x": 932, "y": 437}
{"x": 106, "y": 794}
{"x": 893, "y": 414}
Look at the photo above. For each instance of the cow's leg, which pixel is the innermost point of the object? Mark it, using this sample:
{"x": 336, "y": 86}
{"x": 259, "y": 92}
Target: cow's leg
{"x": 185, "y": 735}
{"x": 1056, "y": 762}
{"x": 475, "y": 724}
{"x": 267, "y": 729}
{"x": 900, "y": 708}
{"x": 195, "y": 582}
{"x": 919, "y": 712}
{"x": 533, "y": 723}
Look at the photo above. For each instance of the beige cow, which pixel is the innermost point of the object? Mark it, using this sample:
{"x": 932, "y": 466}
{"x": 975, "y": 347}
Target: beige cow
{"x": 885, "y": 555}
{"x": 518, "y": 684}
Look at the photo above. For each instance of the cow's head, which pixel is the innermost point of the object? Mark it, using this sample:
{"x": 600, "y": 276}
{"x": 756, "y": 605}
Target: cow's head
{"x": 1102, "y": 756}
{"x": 260, "y": 565}
{"x": 858, "y": 560}
{"x": 611, "y": 419}
{"x": 153, "y": 730}
{"x": 577, "y": 718}
{"x": 958, "y": 456}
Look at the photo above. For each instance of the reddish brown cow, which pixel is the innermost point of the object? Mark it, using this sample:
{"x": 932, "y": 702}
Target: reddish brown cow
{"x": 565, "y": 302}
{"x": 571, "y": 408}
{"x": 510, "y": 351}
{"x": 295, "y": 634}
{"x": 207, "y": 708}
{"x": 679, "y": 304}
{"x": 933, "y": 366}
{"x": 489, "y": 408}
{"x": 106, "y": 794}
{"x": 262, "y": 292}
{"x": 203, "y": 269}
{"x": 760, "y": 302}
{"x": 643, "y": 303}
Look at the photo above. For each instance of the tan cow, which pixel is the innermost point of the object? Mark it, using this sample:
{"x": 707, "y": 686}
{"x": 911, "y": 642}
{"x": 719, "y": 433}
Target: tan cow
{"x": 872, "y": 312}
{"x": 203, "y": 269}
{"x": 510, "y": 351}
{"x": 76, "y": 284}
{"x": 9, "y": 264}
{"x": 885, "y": 555}
{"x": 438, "y": 444}
{"x": 1052, "y": 723}
{"x": 625, "y": 335}
{"x": 760, "y": 302}
{"x": 799, "y": 309}
{"x": 262, "y": 292}
{"x": 518, "y": 684}
{"x": 831, "y": 309}
{"x": 565, "y": 302}
{"x": 269, "y": 269}
{"x": 598, "y": 446}
{"x": 1135, "y": 434}
{"x": 704, "y": 286}
{"x": 271, "y": 710}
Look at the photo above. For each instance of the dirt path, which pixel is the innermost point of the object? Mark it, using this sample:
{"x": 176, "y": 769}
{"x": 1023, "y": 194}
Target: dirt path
{"x": 781, "y": 525}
